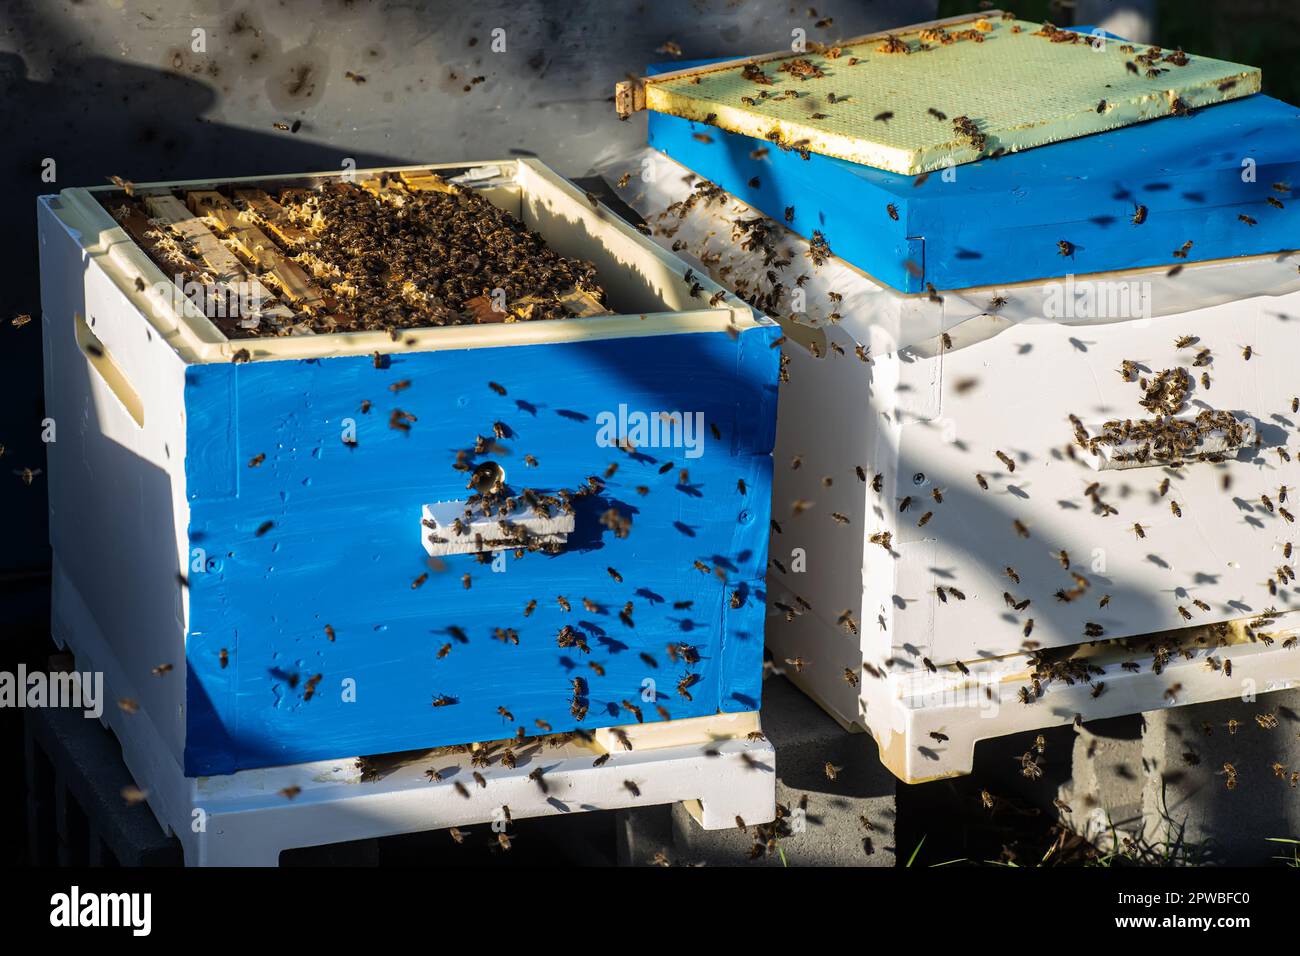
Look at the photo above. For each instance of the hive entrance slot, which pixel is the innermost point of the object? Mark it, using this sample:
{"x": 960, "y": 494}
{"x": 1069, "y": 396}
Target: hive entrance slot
{"x": 457, "y": 527}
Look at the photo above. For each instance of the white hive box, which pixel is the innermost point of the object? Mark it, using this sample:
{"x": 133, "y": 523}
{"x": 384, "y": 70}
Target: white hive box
{"x": 924, "y": 413}
{"x": 206, "y": 502}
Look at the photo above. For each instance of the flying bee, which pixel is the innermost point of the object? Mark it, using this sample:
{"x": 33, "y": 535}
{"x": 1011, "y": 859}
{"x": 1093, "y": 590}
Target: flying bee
{"x": 905, "y": 503}
{"x": 1006, "y": 460}
{"x": 924, "y": 519}
{"x": 798, "y": 663}
{"x": 1029, "y": 766}
{"x": 1098, "y": 689}
{"x": 1246, "y": 352}
{"x": 1201, "y": 604}
{"x": 929, "y": 665}
{"x": 1064, "y": 558}
{"x": 893, "y": 211}
{"x": 936, "y": 736}
{"x": 1011, "y": 573}
{"x": 980, "y": 480}
{"x": 1173, "y": 506}
{"x": 1020, "y": 528}
{"x": 1064, "y": 247}
{"x": 831, "y": 771}
{"x": 1267, "y": 721}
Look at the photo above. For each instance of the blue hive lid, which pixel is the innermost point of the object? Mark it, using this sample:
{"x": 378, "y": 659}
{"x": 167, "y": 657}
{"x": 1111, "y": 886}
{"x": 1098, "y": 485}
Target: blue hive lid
{"x": 994, "y": 222}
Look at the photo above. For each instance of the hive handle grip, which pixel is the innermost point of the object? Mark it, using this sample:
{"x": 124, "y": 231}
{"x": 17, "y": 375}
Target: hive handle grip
{"x": 108, "y": 370}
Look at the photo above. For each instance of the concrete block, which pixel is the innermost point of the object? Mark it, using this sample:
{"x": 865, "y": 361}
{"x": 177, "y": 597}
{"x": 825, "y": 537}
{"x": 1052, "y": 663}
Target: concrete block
{"x": 1191, "y": 816}
{"x": 1104, "y": 789}
{"x": 848, "y": 821}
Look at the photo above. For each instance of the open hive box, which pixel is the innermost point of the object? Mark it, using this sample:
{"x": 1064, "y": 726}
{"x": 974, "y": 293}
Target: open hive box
{"x": 1005, "y": 508}
{"x": 412, "y": 458}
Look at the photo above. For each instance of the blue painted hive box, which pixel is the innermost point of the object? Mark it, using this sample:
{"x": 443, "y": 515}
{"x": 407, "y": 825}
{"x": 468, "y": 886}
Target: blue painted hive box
{"x": 1215, "y": 184}
{"x": 275, "y": 547}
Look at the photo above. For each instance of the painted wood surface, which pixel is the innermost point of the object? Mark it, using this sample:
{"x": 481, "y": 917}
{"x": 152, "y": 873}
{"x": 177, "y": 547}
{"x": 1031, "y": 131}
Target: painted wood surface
{"x": 344, "y": 548}
{"x": 997, "y": 222}
{"x": 893, "y": 105}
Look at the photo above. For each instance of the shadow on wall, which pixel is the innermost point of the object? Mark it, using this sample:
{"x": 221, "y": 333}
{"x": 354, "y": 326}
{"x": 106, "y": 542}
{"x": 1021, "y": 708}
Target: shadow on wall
{"x": 104, "y": 91}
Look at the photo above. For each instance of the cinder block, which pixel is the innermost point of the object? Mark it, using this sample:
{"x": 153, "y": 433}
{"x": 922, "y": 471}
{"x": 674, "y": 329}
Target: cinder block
{"x": 848, "y": 821}
{"x": 1191, "y": 815}
{"x": 1104, "y": 789}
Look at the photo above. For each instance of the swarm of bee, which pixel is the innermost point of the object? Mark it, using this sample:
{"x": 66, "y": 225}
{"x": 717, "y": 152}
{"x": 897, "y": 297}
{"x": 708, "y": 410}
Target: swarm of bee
{"x": 1164, "y": 436}
{"x": 396, "y": 258}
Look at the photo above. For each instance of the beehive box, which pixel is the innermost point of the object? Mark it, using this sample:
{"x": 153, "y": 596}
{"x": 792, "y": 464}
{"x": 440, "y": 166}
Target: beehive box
{"x": 1129, "y": 198}
{"x": 239, "y": 519}
{"x": 950, "y": 538}
{"x": 1000, "y": 528}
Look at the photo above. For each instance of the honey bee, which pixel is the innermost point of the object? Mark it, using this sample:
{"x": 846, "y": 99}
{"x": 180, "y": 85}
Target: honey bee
{"x": 924, "y": 519}
{"x": 224, "y": 657}
{"x": 1064, "y": 558}
{"x": 893, "y": 211}
{"x": 1173, "y": 506}
{"x": 161, "y": 669}
{"x": 1064, "y": 247}
{"x": 929, "y": 665}
{"x": 290, "y": 792}
{"x": 1098, "y": 689}
{"x": 980, "y": 480}
{"x": 936, "y": 736}
{"x": 1230, "y": 774}
{"x": 1020, "y": 528}
{"x": 986, "y": 800}
{"x": 832, "y": 772}
{"x": 1246, "y": 352}
{"x": 798, "y": 663}
{"x": 1006, "y": 460}
{"x": 1267, "y": 721}
{"x": 1139, "y": 212}
{"x": 1011, "y": 573}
